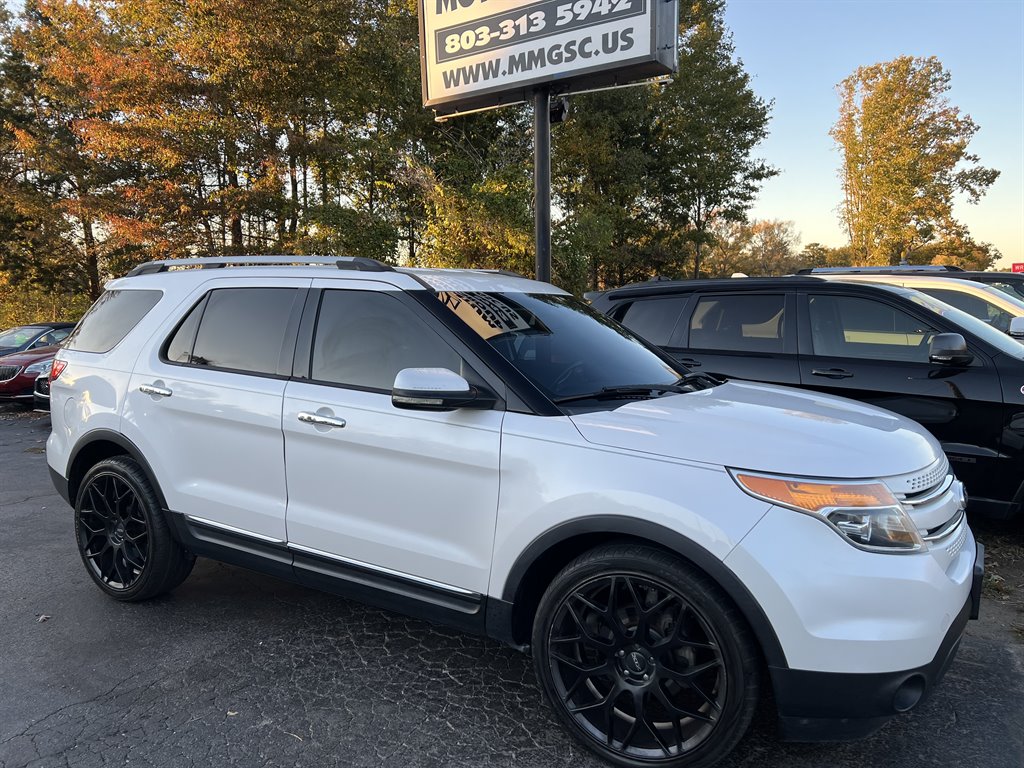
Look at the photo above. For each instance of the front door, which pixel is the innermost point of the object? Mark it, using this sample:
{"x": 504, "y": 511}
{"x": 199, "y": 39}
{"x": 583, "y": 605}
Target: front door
{"x": 400, "y": 499}
{"x": 877, "y": 352}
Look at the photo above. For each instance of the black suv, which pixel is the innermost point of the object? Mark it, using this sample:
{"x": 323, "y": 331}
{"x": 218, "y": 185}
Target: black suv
{"x": 889, "y": 346}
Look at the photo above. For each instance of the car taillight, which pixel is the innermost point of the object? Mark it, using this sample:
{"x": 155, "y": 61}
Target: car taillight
{"x": 57, "y": 369}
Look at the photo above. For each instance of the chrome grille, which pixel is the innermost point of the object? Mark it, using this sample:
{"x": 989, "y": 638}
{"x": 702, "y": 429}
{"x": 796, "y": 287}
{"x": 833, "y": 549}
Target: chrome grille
{"x": 958, "y": 543}
{"x": 933, "y": 497}
{"x": 8, "y": 371}
{"x": 928, "y": 478}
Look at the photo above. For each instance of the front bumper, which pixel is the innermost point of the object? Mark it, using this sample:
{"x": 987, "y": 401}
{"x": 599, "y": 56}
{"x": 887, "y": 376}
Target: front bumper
{"x": 836, "y": 706}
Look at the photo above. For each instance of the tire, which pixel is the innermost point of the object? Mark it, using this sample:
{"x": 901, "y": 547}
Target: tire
{"x": 627, "y": 629}
{"x": 122, "y": 535}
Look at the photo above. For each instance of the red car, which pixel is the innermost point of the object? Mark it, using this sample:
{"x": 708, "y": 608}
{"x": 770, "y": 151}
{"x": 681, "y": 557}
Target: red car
{"x": 18, "y": 373}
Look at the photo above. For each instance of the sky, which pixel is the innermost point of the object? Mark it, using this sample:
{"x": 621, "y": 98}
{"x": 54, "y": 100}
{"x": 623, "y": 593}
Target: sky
{"x": 796, "y": 51}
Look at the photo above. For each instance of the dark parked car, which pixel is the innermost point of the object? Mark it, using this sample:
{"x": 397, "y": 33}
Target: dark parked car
{"x": 33, "y": 336}
{"x": 18, "y": 373}
{"x": 889, "y": 346}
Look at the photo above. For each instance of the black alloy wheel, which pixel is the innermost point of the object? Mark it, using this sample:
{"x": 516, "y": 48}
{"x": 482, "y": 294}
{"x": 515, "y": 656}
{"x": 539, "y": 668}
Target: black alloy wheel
{"x": 637, "y": 660}
{"x": 122, "y": 536}
{"x": 113, "y": 534}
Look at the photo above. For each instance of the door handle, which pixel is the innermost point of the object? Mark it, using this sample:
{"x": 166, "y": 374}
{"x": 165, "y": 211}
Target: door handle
{"x": 831, "y": 373}
{"x": 321, "y": 421}
{"x": 152, "y": 389}
{"x": 689, "y": 362}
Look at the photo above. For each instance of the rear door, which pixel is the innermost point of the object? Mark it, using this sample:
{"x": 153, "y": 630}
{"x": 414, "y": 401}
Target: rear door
{"x": 875, "y": 350}
{"x": 204, "y": 405}
{"x": 749, "y": 335}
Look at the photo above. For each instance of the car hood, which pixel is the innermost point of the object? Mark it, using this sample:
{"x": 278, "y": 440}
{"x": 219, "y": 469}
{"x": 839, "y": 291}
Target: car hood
{"x": 767, "y": 428}
{"x": 33, "y": 356}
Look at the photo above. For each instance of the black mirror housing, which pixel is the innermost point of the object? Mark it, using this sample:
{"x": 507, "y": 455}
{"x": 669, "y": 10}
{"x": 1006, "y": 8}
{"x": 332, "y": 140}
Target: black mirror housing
{"x": 949, "y": 349}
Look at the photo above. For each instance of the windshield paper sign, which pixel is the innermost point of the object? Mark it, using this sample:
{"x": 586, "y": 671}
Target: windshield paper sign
{"x": 475, "y": 48}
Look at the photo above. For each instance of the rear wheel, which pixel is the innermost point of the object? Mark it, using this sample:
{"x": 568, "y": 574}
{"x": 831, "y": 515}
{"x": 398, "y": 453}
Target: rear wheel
{"x": 122, "y": 536}
{"x": 644, "y": 659}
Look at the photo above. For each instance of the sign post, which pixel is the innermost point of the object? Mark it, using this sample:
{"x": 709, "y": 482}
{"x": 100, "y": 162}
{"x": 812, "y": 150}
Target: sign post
{"x": 1017, "y": 266}
{"x": 542, "y": 182}
{"x": 483, "y": 54}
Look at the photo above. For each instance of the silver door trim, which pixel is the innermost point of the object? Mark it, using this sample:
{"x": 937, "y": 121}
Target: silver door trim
{"x": 386, "y": 571}
{"x": 233, "y": 529}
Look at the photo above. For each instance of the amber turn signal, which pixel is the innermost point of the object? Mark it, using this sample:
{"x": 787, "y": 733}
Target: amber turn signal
{"x": 815, "y": 497}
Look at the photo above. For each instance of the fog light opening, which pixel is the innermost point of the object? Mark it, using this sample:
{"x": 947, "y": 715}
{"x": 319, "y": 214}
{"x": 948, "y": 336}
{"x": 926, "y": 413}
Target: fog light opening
{"x": 909, "y": 694}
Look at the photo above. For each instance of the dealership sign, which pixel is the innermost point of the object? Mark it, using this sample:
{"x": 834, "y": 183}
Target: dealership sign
{"x": 485, "y": 53}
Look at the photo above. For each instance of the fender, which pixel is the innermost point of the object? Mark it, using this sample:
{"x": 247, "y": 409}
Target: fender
{"x": 659, "y": 536}
{"x": 109, "y": 436}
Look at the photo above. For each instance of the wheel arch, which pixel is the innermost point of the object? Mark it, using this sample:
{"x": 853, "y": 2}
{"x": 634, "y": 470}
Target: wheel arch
{"x": 510, "y": 618}
{"x": 102, "y": 444}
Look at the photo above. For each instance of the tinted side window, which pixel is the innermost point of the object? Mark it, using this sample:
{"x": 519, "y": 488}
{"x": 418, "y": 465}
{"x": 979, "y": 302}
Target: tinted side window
{"x": 654, "y": 319}
{"x": 1015, "y": 289}
{"x": 848, "y": 326}
{"x": 110, "y": 319}
{"x": 363, "y": 339}
{"x": 179, "y": 348}
{"x": 750, "y": 323}
{"x": 243, "y": 329}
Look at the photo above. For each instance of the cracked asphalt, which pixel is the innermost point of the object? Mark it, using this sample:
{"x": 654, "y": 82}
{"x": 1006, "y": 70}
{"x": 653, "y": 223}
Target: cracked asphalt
{"x": 239, "y": 669}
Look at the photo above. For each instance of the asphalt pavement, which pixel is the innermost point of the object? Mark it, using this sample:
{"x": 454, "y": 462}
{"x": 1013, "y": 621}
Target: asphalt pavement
{"x": 240, "y": 669}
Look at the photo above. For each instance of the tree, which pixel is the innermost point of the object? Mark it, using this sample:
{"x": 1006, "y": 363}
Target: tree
{"x": 905, "y": 157}
{"x": 709, "y": 122}
{"x": 761, "y": 248}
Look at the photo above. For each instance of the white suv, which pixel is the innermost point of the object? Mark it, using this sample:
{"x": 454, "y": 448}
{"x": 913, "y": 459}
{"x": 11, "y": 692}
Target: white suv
{"x": 483, "y": 450}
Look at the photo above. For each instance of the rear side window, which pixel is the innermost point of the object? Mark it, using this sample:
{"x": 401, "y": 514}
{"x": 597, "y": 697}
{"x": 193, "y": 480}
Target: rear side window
{"x": 654, "y": 319}
{"x": 747, "y": 323}
{"x": 110, "y": 319}
{"x": 240, "y": 329}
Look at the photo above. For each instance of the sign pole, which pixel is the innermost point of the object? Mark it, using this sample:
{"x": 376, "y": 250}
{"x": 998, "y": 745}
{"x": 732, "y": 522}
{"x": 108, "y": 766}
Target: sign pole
{"x": 542, "y": 181}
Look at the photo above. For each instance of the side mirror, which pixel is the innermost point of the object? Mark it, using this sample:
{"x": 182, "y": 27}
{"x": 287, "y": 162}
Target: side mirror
{"x": 949, "y": 349}
{"x": 1017, "y": 327}
{"x": 436, "y": 389}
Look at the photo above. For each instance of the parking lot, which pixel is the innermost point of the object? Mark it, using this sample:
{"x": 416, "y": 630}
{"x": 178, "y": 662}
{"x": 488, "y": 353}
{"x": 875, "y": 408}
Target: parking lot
{"x": 237, "y": 668}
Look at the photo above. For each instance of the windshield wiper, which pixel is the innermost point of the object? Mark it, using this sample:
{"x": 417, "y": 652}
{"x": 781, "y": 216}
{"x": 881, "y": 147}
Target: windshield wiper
{"x": 610, "y": 393}
{"x": 684, "y": 384}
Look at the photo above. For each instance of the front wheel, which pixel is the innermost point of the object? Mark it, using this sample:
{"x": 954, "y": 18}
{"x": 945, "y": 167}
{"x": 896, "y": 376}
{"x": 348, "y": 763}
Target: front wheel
{"x": 645, "y": 660}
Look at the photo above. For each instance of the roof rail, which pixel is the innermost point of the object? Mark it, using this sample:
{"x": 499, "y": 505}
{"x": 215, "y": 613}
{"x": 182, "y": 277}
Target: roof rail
{"x": 356, "y": 263}
{"x": 505, "y": 272}
{"x": 879, "y": 270}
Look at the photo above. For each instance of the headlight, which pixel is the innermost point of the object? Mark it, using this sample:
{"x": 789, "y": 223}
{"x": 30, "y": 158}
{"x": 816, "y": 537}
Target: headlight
{"x": 866, "y": 514}
{"x": 42, "y": 366}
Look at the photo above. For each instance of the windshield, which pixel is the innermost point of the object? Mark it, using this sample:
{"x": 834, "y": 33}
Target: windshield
{"x": 559, "y": 343}
{"x": 979, "y": 328}
{"x": 16, "y": 337}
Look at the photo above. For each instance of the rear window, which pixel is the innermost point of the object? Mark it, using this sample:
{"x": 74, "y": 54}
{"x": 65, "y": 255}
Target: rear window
{"x": 110, "y": 319}
{"x": 746, "y": 323}
{"x": 654, "y": 319}
{"x": 241, "y": 329}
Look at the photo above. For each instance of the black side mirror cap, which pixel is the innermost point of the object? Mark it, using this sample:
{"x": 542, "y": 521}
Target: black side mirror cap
{"x": 949, "y": 349}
